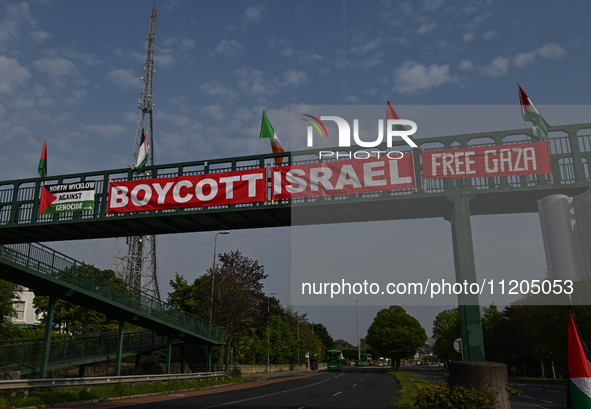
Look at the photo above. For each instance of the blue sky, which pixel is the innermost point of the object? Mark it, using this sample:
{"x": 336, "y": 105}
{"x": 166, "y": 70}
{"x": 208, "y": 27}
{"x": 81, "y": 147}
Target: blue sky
{"x": 70, "y": 73}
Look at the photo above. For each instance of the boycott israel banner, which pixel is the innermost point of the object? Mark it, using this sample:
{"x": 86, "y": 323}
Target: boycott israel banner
{"x": 343, "y": 177}
{"x": 71, "y": 197}
{"x": 214, "y": 189}
{"x": 487, "y": 161}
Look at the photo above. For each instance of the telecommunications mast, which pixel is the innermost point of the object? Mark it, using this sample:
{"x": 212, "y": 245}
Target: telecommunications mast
{"x": 134, "y": 260}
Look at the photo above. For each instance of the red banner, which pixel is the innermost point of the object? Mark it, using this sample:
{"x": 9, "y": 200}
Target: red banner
{"x": 487, "y": 161}
{"x": 343, "y": 177}
{"x": 214, "y": 189}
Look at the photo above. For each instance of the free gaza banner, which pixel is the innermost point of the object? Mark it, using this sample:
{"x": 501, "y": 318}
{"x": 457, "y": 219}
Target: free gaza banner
{"x": 214, "y": 189}
{"x": 487, "y": 161}
{"x": 343, "y": 177}
{"x": 71, "y": 197}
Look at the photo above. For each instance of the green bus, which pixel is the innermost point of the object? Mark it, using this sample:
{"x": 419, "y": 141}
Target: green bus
{"x": 365, "y": 358}
{"x": 333, "y": 360}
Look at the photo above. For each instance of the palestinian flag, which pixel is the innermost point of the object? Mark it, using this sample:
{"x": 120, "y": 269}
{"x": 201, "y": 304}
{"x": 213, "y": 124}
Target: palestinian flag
{"x": 42, "y": 168}
{"x": 71, "y": 197}
{"x": 267, "y": 132}
{"x": 579, "y": 369}
{"x": 142, "y": 156}
{"x": 531, "y": 114}
{"x": 391, "y": 114}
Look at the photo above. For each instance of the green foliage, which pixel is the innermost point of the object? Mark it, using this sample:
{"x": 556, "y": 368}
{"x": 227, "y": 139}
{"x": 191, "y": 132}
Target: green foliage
{"x": 457, "y": 397}
{"x": 396, "y": 334}
{"x": 8, "y": 293}
{"x": 446, "y": 328}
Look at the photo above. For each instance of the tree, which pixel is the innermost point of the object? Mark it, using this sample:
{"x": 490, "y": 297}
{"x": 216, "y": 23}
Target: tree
{"x": 396, "y": 334}
{"x": 446, "y": 329}
{"x": 322, "y": 333}
{"x": 74, "y": 319}
{"x": 9, "y": 292}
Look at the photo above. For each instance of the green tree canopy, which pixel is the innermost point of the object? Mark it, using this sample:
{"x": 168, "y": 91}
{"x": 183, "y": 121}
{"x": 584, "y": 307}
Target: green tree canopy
{"x": 396, "y": 334}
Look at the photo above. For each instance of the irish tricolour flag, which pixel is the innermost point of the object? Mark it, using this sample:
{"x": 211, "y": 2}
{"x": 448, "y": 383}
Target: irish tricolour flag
{"x": 531, "y": 114}
{"x": 71, "y": 197}
{"x": 579, "y": 369}
{"x": 267, "y": 132}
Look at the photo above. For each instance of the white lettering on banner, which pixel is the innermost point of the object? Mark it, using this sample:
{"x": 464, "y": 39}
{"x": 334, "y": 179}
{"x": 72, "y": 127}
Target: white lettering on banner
{"x": 503, "y": 160}
{"x": 343, "y": 177}
{"x": 244, "y": 186}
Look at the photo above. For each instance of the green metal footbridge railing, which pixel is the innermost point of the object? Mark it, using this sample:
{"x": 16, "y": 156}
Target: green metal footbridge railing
{"x": 77, "y": 350}
{"x": 52, "y": 273}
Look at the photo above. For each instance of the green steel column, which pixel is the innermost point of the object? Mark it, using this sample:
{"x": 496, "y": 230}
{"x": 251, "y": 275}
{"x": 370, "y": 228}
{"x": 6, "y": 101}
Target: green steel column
{"x": 119, "y": 350}
{"x": 466, "y": 271}
{"x": 47, "y": 337}
{"x": 168, "y": 353}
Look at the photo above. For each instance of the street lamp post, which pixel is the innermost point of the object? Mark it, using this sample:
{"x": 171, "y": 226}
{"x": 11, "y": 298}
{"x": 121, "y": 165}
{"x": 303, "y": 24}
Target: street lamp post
{"x": 268, "y": 338}
{"x": 358, "y": 340}
{"x": 298, "y": 342}
{"x": 215, "y": 242}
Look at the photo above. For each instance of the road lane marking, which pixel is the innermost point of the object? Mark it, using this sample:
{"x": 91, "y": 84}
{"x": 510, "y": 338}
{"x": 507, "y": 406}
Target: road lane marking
{"x": 542, "y": 407}
{"x": 337, "y": 393}
{"x": 547, "y": 401}
{"x": 265, "y": 396}
{"x": 353, "y": 385}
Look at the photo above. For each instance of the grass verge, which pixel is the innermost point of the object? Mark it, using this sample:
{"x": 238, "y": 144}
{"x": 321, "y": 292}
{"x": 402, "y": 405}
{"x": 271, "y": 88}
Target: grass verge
{"x": 48, "y": 396}
{"x": 408, "y": 386}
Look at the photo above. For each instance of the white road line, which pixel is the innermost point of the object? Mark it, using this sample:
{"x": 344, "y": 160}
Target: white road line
{"x": 542, "y": 407}
{"x": 337, "y": 393}
{"x": 353, "y": 385}
{"x": 265, "y": 396}
{"x": 547, "y": 401}
{"x": 529, "y": 397}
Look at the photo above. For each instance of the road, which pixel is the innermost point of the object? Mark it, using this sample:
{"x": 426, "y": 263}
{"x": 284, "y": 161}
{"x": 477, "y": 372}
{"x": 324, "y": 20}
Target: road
{"x": 535, "y": 395}
{"x": 351, "y": 388}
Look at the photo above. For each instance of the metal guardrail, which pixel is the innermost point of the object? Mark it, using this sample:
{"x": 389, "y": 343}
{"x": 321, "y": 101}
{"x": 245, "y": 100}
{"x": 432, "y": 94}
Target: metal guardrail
{"x": 105, "y": 380}
{"x": 41, "y": 260}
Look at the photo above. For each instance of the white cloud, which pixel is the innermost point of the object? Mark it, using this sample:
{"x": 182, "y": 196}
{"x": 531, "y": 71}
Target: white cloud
{"x": 523, "y": 59}
{"x": 368, "y": 46}
{"x": 187, "y": 44}
{"x": 432, "y": 4}
{"x": 11, "y": 74}
{"x": 38, "y": 36}
{"x": 295, "y": 77}
{"x": 353, "y": 99}
{"x": 466, "y": 65}
{"x": 215, "y": 111}
{"x": 287, "y": 52}
{"x": 230, "y": 48}
{"x": 426, "y": 28}
{"x": 499, "y": 67}
{"x": 373, "y": 61}
{"x": 164, "y": 60}
{"x": 551, "y": 50}
{"x": 490, "y": 34}
{"x": 107, "y": 131}
{"x": 253, "y": 14}
{"x": 125, "y": 79}
{"x": 10, "y": 25}
{"x": 55, "y": 66}
{"x": 216, "y": 89}
{"x": 413, "y": 77}
{"x": 468, "y": 37}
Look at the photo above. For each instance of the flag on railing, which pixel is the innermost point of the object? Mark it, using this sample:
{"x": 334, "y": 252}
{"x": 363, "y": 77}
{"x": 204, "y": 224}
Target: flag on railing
{"x": 531, "y": 114}
{"x": 142, "y": 156}
{"x": 267, "y": 132}
{"x": 391, "y": 114}
{"x": 42, "y": 168}
{"x": 579, "y": 369}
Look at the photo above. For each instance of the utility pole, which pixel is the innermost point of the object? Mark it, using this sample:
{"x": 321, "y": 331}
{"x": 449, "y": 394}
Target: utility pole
{"x": 358, "y": 340}
{"x": 134, "y": 260}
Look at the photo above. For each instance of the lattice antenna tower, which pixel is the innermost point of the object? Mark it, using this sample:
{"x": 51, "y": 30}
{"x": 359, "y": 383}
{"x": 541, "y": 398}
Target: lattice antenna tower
{"x": 134, "y": 260}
